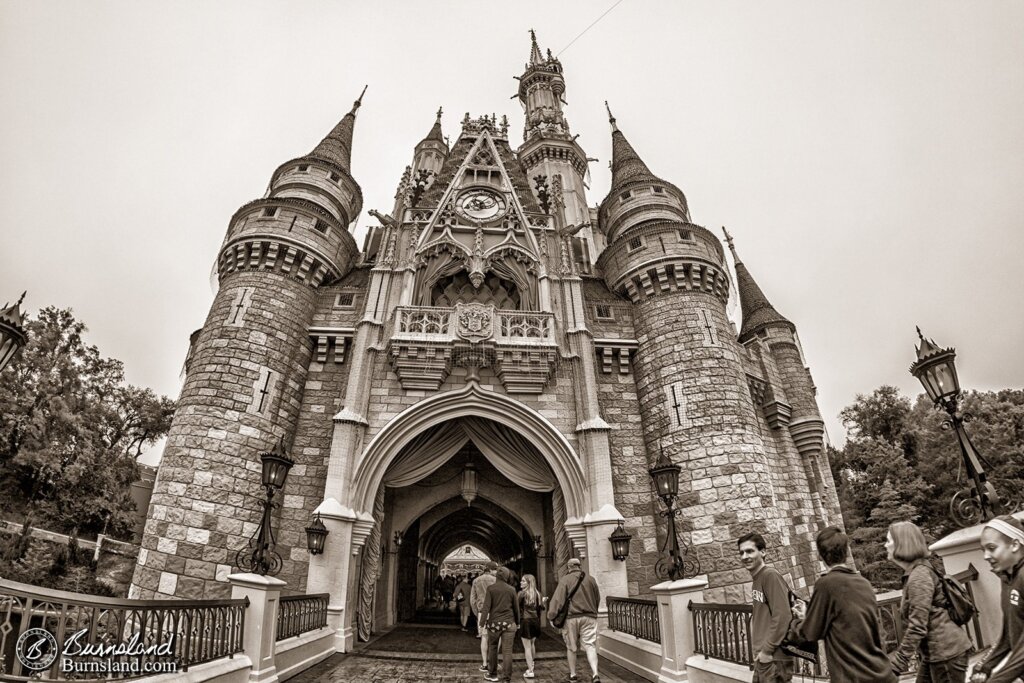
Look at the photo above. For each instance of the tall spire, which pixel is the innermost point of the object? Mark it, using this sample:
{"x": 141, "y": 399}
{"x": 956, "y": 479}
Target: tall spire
{"x": 611, "y": 118}
{"x": 535, "y": 56}
{"x": 758, "y": 312}
{"x": 627, "y": 166}
{"x": 337, "y": 146}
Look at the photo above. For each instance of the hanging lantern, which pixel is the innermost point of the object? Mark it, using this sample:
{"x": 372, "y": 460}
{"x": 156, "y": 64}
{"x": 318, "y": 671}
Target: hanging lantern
{"x": 537, "y": 542}
{"x": 397, "y": 538}
{"x": 469, "y": 483}
{"x": 620, "y": 539}
{"x": 316, "y": 536}
{"x": 12, "y": 333}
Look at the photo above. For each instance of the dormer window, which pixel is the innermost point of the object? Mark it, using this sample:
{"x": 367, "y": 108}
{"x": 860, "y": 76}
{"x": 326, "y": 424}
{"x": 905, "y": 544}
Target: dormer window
{"x": 320, "y": 226}
{"x": 685, "y": 236}
{"x": 658, "y": 189}
{"x": 625, "y": 195}
{"x": 335, "y": 177}
{"x": 303, "y": 168}
{"x": 635, "y": 243}
{"x": 270, "y": 212}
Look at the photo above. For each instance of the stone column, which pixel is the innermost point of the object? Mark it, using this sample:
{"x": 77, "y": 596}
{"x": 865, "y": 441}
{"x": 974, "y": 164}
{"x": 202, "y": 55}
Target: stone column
{"x": 676, "y": 625}
{"x": 960, "y": 551}
{"x": 609, "y": 573}
{"x": 264, "y": 593}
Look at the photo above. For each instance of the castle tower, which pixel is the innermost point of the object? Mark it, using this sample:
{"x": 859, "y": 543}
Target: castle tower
{"x": 691, "y": 383}
{"x": 790, "y": 394}
{"x": 247, "y": 370}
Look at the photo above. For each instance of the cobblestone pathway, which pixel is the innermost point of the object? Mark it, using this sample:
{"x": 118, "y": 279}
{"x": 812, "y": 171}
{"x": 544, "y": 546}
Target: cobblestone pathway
{"x": 355, "y": 668}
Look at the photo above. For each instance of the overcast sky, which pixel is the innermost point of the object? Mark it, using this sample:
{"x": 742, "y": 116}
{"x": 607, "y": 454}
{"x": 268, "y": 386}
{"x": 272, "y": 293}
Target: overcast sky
{"x": 868, "y": 157}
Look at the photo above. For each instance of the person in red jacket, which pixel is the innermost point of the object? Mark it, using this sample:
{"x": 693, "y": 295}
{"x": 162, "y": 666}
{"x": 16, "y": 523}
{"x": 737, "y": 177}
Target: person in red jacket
{"x": 1002, "y": 539}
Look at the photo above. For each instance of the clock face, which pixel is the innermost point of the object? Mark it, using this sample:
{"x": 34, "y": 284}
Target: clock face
{"x": 481, "y": 205}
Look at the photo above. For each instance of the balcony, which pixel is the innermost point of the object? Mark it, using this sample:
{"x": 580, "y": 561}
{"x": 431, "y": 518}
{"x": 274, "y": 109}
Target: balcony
{"x": 428, "y": 341}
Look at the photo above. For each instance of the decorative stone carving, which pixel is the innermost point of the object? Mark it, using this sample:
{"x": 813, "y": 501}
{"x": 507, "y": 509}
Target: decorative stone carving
{"x": 474, "y": 322}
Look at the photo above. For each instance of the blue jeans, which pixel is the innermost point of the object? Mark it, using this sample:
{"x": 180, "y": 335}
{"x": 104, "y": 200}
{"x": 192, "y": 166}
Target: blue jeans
{"x": 505, "y": 639}
{"x": 950, "y": 671}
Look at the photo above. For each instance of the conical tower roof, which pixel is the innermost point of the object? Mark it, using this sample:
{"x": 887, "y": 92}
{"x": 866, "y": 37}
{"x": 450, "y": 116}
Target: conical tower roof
{"x": 757, "y": 311}
{"x": 628, "y": 169}
{"x": 337, "y": 146}
{"x": 435, "y": 134}
{"x": 12, "y": 315}
{"x": 535, "y": 56}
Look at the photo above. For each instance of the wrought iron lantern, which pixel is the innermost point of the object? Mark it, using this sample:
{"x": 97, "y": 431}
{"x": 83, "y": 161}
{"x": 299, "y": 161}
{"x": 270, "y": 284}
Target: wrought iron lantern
{"x": 397, "y": 538}
{"x": 316, "y": 536}
{"x": 260, "y": 555}
{"x": 469, "y": 488}
{"x": 674, "y": 564}
{"x": 537, "y": 543}
{"x": 12, "y": 332}
{"x": 620, "y": 539}
{"x": 936, "y": 370}
{"x": 666, "y": 478}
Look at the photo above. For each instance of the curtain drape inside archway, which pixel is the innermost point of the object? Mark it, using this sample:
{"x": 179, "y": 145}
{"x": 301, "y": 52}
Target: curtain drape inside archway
{"x": 510, "y": 453}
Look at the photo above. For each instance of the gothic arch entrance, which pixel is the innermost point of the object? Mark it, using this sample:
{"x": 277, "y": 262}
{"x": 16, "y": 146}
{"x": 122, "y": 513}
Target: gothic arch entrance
{"x": 527, "y": 484}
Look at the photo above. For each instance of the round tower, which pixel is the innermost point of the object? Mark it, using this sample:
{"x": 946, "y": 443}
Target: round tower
{"x": 247, "y": 369}
{"x": 691, "y": 384}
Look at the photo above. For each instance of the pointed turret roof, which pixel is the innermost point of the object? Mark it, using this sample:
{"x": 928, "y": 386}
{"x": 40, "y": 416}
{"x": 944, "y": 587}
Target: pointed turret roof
{"x": 435, "y": 134}
{"x": 757, "y": 311}
{"x": 535, "y": 56}
{"x": 12, "y": 315}
{"x": 629, "y": 169}
{"x": 337, "y": 146}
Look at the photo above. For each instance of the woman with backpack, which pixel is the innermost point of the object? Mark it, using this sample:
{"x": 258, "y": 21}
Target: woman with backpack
{"x": 929, "y": 629}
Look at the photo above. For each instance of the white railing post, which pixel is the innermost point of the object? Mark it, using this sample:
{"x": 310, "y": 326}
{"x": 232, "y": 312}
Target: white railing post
{"x": 264, "y": 593}
{"x": 676, "y": 625}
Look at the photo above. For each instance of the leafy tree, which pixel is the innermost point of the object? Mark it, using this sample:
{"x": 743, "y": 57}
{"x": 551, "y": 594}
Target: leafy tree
{"x": 71, "y": 430}
{"x": 900, "y": 464}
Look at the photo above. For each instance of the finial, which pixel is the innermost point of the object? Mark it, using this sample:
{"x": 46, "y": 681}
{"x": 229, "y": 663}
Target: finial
{"x": 919, "y": 335}
{"x": 21, "y": 298}
{"x": 611, "y": 119}
{"x": 535, "y": 57}
{"x": 439, "y": 112}
{"x": 359, "y": 102}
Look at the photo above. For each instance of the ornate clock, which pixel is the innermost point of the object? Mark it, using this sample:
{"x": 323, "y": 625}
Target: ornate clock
{"x": 481, "y": 205}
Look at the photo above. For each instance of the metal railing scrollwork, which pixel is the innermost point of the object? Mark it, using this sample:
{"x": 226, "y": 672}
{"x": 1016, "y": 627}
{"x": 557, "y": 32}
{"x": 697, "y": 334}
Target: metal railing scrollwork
{"x": 636, "y": 617}
{"x": 298, "y": 614}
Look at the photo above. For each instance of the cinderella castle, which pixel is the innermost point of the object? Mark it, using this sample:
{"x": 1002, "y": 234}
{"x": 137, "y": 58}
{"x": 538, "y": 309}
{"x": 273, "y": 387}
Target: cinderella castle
{"x": 498, "y": 366}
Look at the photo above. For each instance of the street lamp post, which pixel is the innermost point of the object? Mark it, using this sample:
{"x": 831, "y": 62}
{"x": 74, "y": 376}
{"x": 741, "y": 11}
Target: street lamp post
{"x": 674, "y": 565}
{"x": 936, "y": 371}
{"x": 260, "y": 555}
{"x": 12, "y": 332}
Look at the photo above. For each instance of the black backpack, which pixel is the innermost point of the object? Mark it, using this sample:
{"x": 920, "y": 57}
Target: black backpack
{"x": 959, "y": 606}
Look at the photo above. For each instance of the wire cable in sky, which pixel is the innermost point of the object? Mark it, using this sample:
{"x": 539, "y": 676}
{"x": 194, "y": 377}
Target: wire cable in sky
{"x": 588, "y": 28}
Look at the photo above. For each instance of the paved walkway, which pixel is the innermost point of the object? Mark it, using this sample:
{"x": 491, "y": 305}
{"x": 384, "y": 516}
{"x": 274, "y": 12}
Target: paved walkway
{"x": 446, "y": 654}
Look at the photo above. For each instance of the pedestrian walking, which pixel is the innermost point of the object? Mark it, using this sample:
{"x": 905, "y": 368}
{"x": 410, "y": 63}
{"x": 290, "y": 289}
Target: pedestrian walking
{"x": 500, "y": 613}
{"x": 530, "y": 604}
{"x": 476, "y": 600}
{"x": 1002, "y": 539}
{"x": 928, "y": 629}
{"x": 463, "y": 592}
{"x": 579, "y": 595}
{"x": 770, "y": 616}
{"x": 843, "y": 612}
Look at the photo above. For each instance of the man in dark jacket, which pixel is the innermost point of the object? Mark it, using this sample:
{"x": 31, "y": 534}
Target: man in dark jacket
{"x": 843, "y": 612}
{"x": 500, "y": 616}
{"x": 581, "y": 623}
{"x": 771, "y": 616}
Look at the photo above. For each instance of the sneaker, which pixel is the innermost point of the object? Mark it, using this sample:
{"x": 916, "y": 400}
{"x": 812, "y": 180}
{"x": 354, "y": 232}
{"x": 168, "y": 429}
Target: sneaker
{"x": 595, "y": 679}
{"x": 573, "y": 677}
{"x": 484, "y": 668}
{"x": 529, "y": 674}
{"x": 489, "y": 677}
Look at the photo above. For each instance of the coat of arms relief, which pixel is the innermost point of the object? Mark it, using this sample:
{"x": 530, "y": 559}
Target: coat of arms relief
{"x": 474, "y": 322}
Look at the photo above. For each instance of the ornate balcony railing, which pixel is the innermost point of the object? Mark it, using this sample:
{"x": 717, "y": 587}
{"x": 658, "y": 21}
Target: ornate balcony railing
{"x": 298, "y": 614}
{"x": 427, "y": 342}
{"x": 192, "y": 631}
{"x": 722, "y": 631}
{"x": 636, "y": 617}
